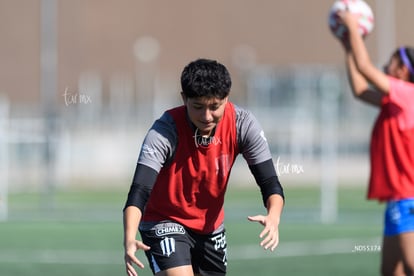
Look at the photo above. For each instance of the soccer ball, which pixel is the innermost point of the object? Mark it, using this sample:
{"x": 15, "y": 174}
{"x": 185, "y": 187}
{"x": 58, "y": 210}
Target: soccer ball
{"x": 360, "y": 7}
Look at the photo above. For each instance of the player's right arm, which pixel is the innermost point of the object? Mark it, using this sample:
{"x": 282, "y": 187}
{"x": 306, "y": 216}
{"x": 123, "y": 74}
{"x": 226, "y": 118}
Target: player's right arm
{"x": 132, "y": 217}
{"x": 144, "y": 180}
{"x": 158, "y": 147}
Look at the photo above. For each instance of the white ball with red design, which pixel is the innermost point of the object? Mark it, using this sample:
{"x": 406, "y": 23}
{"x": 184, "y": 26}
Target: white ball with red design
{"x": 359, "y": 7}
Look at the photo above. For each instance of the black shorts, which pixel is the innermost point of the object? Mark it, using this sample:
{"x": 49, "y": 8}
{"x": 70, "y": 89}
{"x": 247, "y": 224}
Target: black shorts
{"x": 173, "y": 245}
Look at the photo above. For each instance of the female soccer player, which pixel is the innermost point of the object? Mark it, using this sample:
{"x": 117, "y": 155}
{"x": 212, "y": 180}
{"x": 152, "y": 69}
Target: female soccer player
{"x": 392, "y": 142}
{"x": 176, "y": 198}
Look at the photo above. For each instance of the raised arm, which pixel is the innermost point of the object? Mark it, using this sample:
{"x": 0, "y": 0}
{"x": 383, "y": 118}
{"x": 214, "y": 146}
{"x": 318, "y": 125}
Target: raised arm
{"x": 359, "y": 85}
{"x": 362, "y": 60}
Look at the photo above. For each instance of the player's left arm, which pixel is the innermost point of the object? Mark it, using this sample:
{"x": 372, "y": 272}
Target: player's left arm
{"x": 273, "y": 198}
{"x": 270, "y": 233}
{"x": 256, "y": 151}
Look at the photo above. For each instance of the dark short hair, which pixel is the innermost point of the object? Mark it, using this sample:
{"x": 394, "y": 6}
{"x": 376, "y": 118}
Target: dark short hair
{"x": 205, "y": 78}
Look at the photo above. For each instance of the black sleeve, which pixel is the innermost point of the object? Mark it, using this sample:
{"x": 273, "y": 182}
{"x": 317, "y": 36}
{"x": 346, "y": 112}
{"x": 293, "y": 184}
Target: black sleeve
{"x": 265, "y": 175}
{"x": 142, "y": 184}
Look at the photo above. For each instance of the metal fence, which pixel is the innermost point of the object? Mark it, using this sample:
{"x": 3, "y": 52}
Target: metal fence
{"x": 312, "y": 123}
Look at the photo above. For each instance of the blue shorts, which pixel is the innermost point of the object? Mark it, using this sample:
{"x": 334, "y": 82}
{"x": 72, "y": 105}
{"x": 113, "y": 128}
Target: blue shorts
{"x": 399, "y": 217}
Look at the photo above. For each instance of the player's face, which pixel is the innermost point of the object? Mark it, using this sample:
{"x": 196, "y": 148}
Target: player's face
{"x": 205, "y": 113}
{"x": 391, "y": 67}
{"x": 395, "y": 69}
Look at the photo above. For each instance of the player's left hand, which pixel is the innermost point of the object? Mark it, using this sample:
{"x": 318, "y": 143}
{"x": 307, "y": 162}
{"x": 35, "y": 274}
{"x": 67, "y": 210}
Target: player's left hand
{"x": 270, "y": 233}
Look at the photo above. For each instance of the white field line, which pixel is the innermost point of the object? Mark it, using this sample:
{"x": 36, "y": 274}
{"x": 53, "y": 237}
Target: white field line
{"x": 307, "y": 248}
{"x": 243, "y": 252}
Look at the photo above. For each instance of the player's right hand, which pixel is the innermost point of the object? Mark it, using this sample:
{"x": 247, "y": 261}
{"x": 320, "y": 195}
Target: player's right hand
{"x": 131, "y": 248}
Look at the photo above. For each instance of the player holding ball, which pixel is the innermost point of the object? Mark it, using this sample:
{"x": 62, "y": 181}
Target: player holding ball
{"x": 392, "y": 141}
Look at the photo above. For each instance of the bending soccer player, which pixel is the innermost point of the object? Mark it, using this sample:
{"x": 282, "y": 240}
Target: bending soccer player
{"x": 177, "y": 194}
